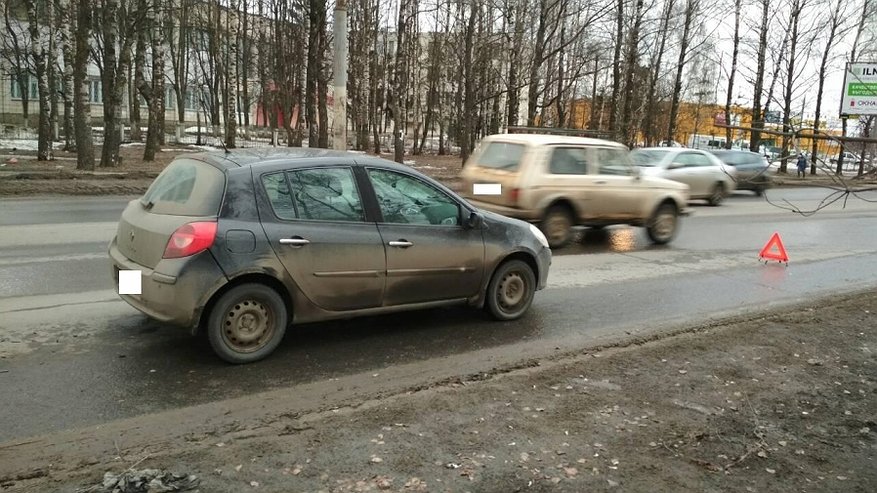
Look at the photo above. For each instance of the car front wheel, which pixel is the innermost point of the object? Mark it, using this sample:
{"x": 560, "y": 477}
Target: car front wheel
{"x": 663, "y": 225}
{"x": 510, "y": 292}
{"x": 247, "y": 323}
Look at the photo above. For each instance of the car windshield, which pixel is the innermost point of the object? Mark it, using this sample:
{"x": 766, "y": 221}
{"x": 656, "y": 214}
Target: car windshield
{"x": 501, "y": 155}
{"x": 647, "y": 157}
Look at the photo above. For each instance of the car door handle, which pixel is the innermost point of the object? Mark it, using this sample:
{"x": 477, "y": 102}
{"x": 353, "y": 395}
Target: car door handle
{"x": 401, "y": 243}
{"x": 601, "y": 182}
{"x": 296, "y": 241}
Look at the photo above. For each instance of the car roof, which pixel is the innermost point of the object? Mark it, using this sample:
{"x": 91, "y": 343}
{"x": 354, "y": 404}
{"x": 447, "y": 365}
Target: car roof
{"x": 265, "y": 156}
{"x": 547, "y": 139}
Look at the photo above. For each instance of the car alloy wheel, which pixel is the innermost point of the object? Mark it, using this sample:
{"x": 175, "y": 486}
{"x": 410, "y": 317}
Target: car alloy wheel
{"x": 511, "y": 290}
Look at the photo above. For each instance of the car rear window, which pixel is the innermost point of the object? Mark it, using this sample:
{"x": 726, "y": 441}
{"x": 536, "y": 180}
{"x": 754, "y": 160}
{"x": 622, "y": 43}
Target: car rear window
{"x": 186, "y": 188}
{"x": 501, "y": 155}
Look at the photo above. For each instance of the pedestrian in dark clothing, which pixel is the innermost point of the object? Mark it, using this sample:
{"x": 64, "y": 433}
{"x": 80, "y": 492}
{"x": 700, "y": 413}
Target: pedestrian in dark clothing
{"x": 802, "y": 166}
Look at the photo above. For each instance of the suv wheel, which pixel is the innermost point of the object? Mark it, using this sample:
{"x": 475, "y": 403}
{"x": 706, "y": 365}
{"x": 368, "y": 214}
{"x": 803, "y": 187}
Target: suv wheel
{"x": 511, "y": 290}
{"x": 663, "y": 225}
{"x": 247, "y": 323}
{"x": 557, "y": 226}
{"x": 717, "y": 195}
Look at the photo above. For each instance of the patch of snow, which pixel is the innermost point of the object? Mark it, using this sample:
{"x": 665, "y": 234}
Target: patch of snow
{"x": 21, "y": 145}
{"x": 132, "y": 144}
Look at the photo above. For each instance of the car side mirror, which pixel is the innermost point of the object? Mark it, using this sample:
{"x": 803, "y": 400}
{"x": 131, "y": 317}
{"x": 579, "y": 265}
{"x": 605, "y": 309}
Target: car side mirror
{"x": 675, "y": 166}
{"x": 474, "y": 220}
{"x": 636, "y": 172}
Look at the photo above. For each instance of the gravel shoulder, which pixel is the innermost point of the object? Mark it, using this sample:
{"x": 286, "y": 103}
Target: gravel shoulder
{"x": 777, "y": 401}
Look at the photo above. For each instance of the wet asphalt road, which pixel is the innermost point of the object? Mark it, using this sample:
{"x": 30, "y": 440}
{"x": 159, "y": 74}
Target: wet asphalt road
{"x": 71, "y": 354}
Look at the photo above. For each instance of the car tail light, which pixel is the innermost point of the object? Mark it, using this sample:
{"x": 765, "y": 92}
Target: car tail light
{"x": 515, "y": 195}
{"x": 190, "y": 239}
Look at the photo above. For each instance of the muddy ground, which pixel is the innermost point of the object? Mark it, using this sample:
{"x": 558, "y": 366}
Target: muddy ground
{"x": 22, "y": 175}
{"x": 777, "y": 401}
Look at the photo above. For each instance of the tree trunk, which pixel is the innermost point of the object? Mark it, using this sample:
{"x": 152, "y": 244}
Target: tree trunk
{"x": 40, "y": 57}
{"x": 112, "y": 100}
{"x": 834, "y": 24}
{"x": 231, "y": 80}
{"x": 538, "y": 58}
{"x": 757, "y": 116}
{"x": 156, "y": 92}
{"x": 730, "y": 97}
{"x": 651, "y": 105}
{"x": 690, "y": 11}
{"x": 139, "y": 64}
{"x": 616, "y": 66}
{"x": 67, "y": 24}
{"x": 81, "y": 105}
{"x": 797, "y": 6}
{"x": 468, "y": 85}
{"x": 629, "y": 132}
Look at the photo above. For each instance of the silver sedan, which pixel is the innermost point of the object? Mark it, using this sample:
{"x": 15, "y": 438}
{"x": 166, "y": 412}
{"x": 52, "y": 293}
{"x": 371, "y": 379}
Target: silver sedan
{"x": 708, "y": 177}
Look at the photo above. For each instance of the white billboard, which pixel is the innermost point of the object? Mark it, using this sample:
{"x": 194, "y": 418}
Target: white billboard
{"x": 859, "y": 90}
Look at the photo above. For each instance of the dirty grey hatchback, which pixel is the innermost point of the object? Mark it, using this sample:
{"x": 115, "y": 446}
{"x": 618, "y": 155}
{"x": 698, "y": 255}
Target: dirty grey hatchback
{"x": 242, "y": 244}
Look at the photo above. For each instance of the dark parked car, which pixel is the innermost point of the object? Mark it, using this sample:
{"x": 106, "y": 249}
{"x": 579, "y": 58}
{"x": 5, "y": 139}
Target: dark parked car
{"x": 241, "y": 244}
{"x": 752, "y": 169}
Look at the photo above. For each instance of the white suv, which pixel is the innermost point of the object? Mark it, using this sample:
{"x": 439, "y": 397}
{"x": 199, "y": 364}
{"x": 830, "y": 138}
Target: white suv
{"x": 560, "y": 182}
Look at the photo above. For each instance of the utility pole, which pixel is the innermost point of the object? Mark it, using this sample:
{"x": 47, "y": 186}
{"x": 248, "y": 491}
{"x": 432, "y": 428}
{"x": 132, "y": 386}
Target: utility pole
{"x": 339, "y": 139}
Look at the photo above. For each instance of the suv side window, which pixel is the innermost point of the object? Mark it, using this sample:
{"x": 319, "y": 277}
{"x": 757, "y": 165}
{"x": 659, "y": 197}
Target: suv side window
{"x": 404, "y": 199}
{"x": 613, "y": 161}
{"x": 568, "y": 161}
{"x": 326, "y": 194}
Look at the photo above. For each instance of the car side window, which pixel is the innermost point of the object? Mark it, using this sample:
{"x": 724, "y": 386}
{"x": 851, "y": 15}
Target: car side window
{"x": 404, "y": 199}
{"x": 326, "y": 194}
{"x": 692, "y": 160}
{"x": 568, "y": 161}
{"x": 613, "y": 162}
{"x": 277, "y": 189}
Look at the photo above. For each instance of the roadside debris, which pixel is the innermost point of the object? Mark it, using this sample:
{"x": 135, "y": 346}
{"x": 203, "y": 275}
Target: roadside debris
{"x": 143, "y": 481}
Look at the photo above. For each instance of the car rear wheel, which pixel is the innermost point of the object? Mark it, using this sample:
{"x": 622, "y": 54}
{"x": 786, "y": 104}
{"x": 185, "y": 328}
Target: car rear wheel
{"x": 717, "y": 195}
{"x": 247, "y": 323}
{"x": 510, "y": 292}
{"x": 557, "y": 226}
{"x": 663, "y": 225}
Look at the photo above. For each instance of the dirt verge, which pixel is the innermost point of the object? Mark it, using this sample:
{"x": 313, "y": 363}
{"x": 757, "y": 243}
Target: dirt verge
{"x": 783, "y": 401}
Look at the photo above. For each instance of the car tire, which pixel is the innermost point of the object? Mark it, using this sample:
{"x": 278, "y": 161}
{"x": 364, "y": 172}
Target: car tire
{"x": 511, "y": 289}
{"x": 717, "y": 195}
{"x": 663, "y": 224}
{"x": 557, "y": 226}
{"x": 247, "y": 323}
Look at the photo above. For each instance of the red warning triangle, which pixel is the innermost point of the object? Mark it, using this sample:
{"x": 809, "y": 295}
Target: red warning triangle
{"x": 774, "y": 250}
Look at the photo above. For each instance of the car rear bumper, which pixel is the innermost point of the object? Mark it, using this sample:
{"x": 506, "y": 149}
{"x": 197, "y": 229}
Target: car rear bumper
{"x": 175, "y": 296}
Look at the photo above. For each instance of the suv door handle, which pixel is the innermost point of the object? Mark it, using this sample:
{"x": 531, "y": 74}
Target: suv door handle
{"x": 601, "y": 182}
{"x": 296, "y": 241}
{"x": 401, "y": 243}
